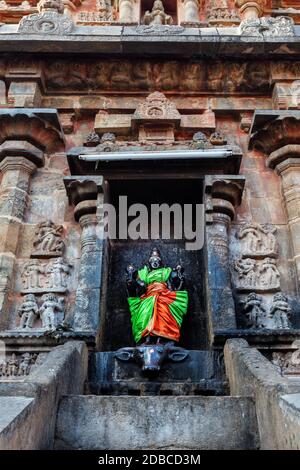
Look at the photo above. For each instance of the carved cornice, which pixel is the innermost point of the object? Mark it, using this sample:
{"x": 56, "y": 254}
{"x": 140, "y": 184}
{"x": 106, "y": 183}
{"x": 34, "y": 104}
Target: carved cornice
{"x": 41, "y": 128}
{"x": 278, "y": 133}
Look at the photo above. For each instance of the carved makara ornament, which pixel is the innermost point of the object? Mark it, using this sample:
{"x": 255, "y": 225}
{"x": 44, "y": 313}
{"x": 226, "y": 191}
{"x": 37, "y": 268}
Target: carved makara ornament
{"x": 157, "y": 16}
{"x": 49, "y": 20}
{"x": 48, "y": 242}
{"x": 280, "y": 26}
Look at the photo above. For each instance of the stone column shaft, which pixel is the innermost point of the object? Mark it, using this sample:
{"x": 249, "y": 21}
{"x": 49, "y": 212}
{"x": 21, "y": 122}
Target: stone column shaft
{"x": 222, "y": 196}
{"x": 289, "y": 170}
{"x": 86, "y": 194}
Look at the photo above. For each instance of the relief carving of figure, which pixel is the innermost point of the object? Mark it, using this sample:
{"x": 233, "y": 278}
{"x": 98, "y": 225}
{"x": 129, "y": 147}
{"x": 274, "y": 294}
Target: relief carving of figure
{"x": 50, "y": 308}
{"x": 157, "y": 16}
{"x": 258, "y": 240}
{"x": 251, "y": 236}
{"x": 31, "y": 274}
{"x": 157, "y": 300}
{"x": 58, "y": 271}
{"x": 49, "y": 238}
{"x": 280, "y": 311}
{"x": 255, "y": 311}
{"x": 246, "y": 272}
{"x": 269, "y": 274}
{"x": 28, "y": 311}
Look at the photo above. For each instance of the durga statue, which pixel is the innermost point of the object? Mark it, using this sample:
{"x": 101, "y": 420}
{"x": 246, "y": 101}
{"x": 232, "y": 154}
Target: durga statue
{"x": 157, "y": 300}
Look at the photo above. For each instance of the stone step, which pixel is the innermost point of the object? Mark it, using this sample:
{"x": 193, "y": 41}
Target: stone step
{"x": 162, "y": 422}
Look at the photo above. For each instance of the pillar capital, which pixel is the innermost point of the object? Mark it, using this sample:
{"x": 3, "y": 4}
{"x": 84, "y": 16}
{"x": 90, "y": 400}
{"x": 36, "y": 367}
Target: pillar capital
{"x": 285, "y": 157}
{"x": 18, "y": 152}
{"x": 224, "y": 194}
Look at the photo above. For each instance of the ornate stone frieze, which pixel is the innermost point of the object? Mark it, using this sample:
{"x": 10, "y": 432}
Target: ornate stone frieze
{"x": 276, "y": 317}
{"x": 38, "y": 277}
{"x": 48, "y": 241}
{"x": 105, "y": 13}
{"x": 17, "y": 366}
{"x": 100, "y": 75}
{"x": 256, "y": 275}
{"x": 258, "y": 241}
{"x": 219, "y": 14}
{"x": 158, "y": 30}
{"x": 157, "y": 16}
{"x": 268, "y": 27}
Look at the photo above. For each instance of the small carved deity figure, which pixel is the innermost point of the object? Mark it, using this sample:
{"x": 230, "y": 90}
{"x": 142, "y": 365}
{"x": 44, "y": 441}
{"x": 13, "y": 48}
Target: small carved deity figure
{"x": 252, "y": 238}
{"x": 255, "y": 311}
{"x": 51, "y": 305}
{"x": 270, "y": 240}
{"x": 269, "y": 273}
{"x": 157, "y": 16}
{"x": 157, "y": 300}
{"x": 280, "y": 311}
{"x": 28, "y": 311}
{"x": 31, "y": 274}
{"x": 58, "y": 271}
{"x": 246, "y": 271}
{"x": 25, "y": 364}
{"x": 48, "y": 238}
{"x": 12, "y": 366}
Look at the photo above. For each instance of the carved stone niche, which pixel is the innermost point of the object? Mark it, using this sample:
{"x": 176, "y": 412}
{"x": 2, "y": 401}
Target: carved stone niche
{"x": 156, "y": 118}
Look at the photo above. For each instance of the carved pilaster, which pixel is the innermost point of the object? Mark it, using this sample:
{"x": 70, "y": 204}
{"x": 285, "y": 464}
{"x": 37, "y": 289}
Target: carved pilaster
{"x": 223, "y": 195}
{"x": 251, "y": 9}
{"x": 87, "y": 196}
{"x": 18, "y": 162}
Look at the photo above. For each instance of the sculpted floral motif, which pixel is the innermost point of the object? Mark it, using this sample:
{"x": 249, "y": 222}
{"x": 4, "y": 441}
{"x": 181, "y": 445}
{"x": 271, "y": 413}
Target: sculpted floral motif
{"x": 268, "y": 27}
{"x": 46, "y": 22}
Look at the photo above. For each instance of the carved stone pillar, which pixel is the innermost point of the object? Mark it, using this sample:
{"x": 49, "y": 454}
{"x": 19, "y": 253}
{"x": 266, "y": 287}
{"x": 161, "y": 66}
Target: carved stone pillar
{"x": 191, "y": 11}
{"x": 126, "y": 11}
{"x": 222, "y": 195}
{"x": 87, "y": 195}
{"x": 19, "y": 160}
{"x": 286, "y": 162}
{"x": 250, "y": 9}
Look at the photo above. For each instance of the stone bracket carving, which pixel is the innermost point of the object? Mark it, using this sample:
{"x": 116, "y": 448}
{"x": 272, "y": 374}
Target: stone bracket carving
{"x": 46, "y": 22}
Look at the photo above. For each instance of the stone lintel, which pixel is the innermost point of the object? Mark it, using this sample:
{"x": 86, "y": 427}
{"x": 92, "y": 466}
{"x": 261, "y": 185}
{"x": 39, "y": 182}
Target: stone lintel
{"x": 15, "y": 149}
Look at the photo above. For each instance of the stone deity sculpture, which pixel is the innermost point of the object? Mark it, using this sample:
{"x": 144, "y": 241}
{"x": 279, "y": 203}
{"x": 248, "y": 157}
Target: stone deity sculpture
{"x": 157, "y": 16}
{"x": 280, "y": 311}
{"x": 28, "y": 311}
{"x": 50, "y": 307}
{"x": 157, "y": 300}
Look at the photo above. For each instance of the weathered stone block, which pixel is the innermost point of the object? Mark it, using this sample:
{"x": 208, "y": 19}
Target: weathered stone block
{"x": 119, "y": 123}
